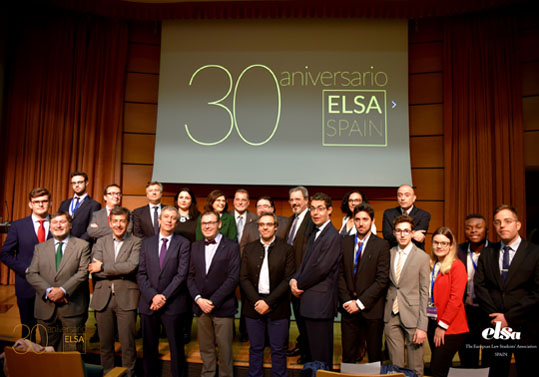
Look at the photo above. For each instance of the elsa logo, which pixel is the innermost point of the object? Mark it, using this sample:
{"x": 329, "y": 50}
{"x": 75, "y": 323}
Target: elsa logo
{"x": 499, "y": 333}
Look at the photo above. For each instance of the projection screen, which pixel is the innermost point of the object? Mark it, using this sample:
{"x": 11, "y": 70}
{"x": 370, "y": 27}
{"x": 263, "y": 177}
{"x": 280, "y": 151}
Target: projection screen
{"x": 283, "y": 102}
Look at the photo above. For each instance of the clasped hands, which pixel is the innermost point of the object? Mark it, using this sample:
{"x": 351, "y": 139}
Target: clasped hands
{"x": 158, "y": 301}
{"x": 57, "y": 295}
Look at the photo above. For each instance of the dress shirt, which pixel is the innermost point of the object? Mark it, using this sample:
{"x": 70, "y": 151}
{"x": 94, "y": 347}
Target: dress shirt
{"x": 299, "y": 218}
{"x": 64, "y": 244}
{"x": 161, "y": 242}
{"x": 152, "y": 210}
{"x": 320, "y": 229}
{"x": 264, "y": 278}
{"x": 209, "y": 250}
{"x": 74, "y": 200}
{"x": 407, "y": 212}
{"x": 514, "y": 247}
{"x": 237, "y": 216}
{"x": 46, "y": 224}
{"x": 402, "y": 253}
{"x": 471, "y": 263}
{"x": 117, "y": 245}
{"x": 364, "y": 242}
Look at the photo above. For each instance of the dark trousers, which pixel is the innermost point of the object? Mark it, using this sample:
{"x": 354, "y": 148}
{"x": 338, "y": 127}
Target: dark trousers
{"x": 64, "y": 333}
{"x": 469, "y": 351}
{"x": 26, "y": 313}
{"x": 278, "y": 339}
{"x": 320, "y": 339}
{"x": 441, "y": 357}
{"x": 353, "y": 328}
{"x": 301, "y": 340}
{"x": 151, "y": 328}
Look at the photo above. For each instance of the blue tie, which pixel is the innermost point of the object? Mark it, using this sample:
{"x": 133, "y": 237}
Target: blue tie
{"x": 358, "y": 255}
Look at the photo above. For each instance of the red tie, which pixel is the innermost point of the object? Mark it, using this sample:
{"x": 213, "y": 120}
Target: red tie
{"x": 41, "y": 231}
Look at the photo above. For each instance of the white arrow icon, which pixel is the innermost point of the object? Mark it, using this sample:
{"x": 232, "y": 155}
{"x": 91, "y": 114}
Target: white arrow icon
{"x": 394, "y": 104}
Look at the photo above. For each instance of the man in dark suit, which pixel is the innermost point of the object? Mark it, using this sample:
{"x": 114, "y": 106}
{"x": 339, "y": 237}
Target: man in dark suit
{"x": 80, "y": 206}
{"x": 116, "y": 294}
{"x": 146, "y": 218}
{"x": 163, "y": 267}
{"x": 100, "y": 223}
{"x": 506, "y": 285}
{"x": 406, "y": 198}
{"x": 300, "y": 228}
{"x": 315, "y": 281}
{"x": 59, "y": 274}
{"x": 363, "y": 280}
{"x": 18, "y": 250}
{"x": 242, "y": 215}
{"x": 475, "y": 231}
{"x": 266, "y": 303}
{"x": 213, "y": 276}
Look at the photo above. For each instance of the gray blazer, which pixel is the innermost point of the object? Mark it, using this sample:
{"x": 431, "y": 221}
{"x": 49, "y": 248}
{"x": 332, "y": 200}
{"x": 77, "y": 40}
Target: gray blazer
{"x": 412, "y": 289}
{"x": 72, "y": 275}
{"x": 99, "y": 224}
{"x": 121, "y": 272}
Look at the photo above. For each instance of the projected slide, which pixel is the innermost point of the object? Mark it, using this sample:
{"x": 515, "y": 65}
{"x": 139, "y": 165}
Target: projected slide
{"x": 283, "y": 102}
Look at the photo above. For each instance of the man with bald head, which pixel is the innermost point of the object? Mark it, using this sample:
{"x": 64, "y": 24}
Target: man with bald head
{"x": 406, "y": 198}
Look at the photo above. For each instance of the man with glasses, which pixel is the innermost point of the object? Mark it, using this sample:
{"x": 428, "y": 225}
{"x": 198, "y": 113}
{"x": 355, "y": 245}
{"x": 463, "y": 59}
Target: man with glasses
{"x": 18, "y": 251}
{"x": 100, "y": 222}
{"x": 315, "y": 281}
{"x": 507, "y": 288}
{"x": 406, "y": 198}
{"x": 214, "y": 272}
{"x": 405, "y": 313}
{"x": 80, "y": 206}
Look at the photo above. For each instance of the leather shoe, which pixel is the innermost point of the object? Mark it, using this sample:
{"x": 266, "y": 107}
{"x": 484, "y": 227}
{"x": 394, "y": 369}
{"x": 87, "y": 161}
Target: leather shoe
{"x": 293, "y": 352}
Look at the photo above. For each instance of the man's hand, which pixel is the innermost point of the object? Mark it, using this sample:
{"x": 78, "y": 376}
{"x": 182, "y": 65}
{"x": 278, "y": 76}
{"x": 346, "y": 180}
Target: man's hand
{"x": 419, "y": 336}
{"x": 498, "y": 317}
{"x": 57, "y": 295}
{"x": 158, "y": 301}
{"x": 206, "y": 305}
{"x": 95, "y": 266}
{"x": 294, "y": 288}
{"x": 262, "y": 307}
{"x": 351, "y": 307}
{"x": 419, "y": 235}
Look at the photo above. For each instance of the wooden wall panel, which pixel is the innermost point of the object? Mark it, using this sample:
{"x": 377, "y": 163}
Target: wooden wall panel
{"x": 425, "y": 88}
{"x": 426, "y": 120}
{"x": 425, "y": 57}
{"x": 135, "y": 178}
{"x": 531, "y": 141}
{"x": 141, "y": 87}
{"x": 530, "y": 78}
{"x": 143, "y": 58}
{"x": 138, "y": 149}
{"x": 140, "y": 118}
{"x": 429, "y": 183}
{"x": 427, "y": 152}
{"x": 530, "y": 108}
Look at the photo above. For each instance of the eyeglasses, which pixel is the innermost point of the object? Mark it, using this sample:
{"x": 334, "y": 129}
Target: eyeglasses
{"x": 40, "y": 202}
{"x": 263, "y": 225}
{"x": 318, "y": 209}
{"x": 114, "y": 193}
{"x": 403, "y": 232}
{"x": 354, "y": 200}
{"x": 498, "y": 223}
{"x": 208, "y": 223}
{"x": 441, "y": 245}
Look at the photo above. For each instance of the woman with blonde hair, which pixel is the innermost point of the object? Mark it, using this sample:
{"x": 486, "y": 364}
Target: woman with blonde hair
{"x": 447, "y": 317}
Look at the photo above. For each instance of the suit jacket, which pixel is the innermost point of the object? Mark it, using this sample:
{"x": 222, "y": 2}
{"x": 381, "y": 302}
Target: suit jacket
{"x": 250, "y": 232}
{"x": 318, "y": 275}
{"x": 219, "y": 284}
{"x": 302, "y": 236}
{"x": 228, "y": 227}
{"x": 448, "y": 292}
{"x": 17, "y": 253}
{"x": 462, "y": 254}
{"x": 82, "y": 216}
{"x": 518, "y": 298}
{"x": 421, "y": 219}
{"x": 412, "y": 289}
{"x": 281, "y": 268}
{"x": 72, "y": 275}
{"x": 99, "y": 224}
{"x": 249, "y": 218}
{"x": 120, "y": 272}
{"x": 142, "y": 222}
{"x": 168, "y": 281}
{"x": 369, "y": 284}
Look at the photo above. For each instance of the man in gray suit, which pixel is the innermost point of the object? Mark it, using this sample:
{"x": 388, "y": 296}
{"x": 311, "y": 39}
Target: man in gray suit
{"x": 116, "y": 294}
{"x": 59, "y": 274}
{"x": 405, "y": 313}
{"x": 100, "y": 222}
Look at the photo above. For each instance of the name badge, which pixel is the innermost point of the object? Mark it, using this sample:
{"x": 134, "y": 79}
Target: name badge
{"x": 432, "y": 312}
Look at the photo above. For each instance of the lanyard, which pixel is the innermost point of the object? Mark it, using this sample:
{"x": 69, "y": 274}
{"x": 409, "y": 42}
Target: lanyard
{"x": 74, "y": 208}
{"x": 433, "y": 279}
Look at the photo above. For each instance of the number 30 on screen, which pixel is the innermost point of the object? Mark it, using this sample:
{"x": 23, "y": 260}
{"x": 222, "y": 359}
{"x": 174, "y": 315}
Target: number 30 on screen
{"x": 232, "y": 114}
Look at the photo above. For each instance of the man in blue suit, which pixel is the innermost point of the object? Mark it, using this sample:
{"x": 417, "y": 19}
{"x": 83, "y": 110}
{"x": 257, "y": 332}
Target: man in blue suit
{"x": 214, "y": 273}
{"x": 80, "y": 206}
{"x": 163, "y": 267}
{"x": 18, "y": 251}
{"x": 316, "y": 280}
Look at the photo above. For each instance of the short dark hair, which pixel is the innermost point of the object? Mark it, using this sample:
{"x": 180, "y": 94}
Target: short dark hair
{"x": 275, "y": 218}
{"x": 81, "y": 173}
{"x": 105, "y": 191}
{"x": 206, "y": 213}
{"x": 155, "y": 183}
{"x": 242, "y": 191}
{"x": 364, "y": 207}
{"x": 322, "y": 196}
{"x": 344, "y": 204}
{"x": 121, "y": 211}
{"x": 212, "y": 196}
{"x": 268, "y": 198}
{"x": 404, "y": 219}
{"x": 475, "y": 216}
{"x": 37, "y": 192}
{"x": 62, "y": 213}
{"x": 501, "y": 207}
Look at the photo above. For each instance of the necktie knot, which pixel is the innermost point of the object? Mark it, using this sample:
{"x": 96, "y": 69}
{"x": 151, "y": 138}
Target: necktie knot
{"x": 209, "y": 242}
{"x": 165, "y": 240}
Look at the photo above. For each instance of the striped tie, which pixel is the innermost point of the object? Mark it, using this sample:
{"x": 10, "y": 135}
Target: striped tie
{"x": 397, "y": 278}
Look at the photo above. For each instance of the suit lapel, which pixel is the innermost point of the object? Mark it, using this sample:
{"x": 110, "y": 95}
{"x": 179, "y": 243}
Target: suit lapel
{"x": 495, "y": 266}
{"x": 215, "y": 256}
{"x": 171, "y": 249}
{"x": 126, "y": 245}
{"x": 68, "y": 255}
{"x": 393, "y": 253}
{"x": 518, "y": 259}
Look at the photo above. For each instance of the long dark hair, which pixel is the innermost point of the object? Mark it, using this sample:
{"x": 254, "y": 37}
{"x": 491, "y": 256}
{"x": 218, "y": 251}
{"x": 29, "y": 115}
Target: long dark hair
{"x": 193, "y": 210}
{"x": 212, "y": 196}
{"x": 344, "y": 204}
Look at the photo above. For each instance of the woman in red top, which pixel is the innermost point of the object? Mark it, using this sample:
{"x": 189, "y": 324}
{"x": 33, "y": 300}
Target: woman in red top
{"x": 447, "y": 318}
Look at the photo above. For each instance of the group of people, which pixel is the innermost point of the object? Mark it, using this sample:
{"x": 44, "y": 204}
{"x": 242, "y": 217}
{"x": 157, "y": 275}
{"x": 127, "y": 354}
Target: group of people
{"x": 165, "y": 263}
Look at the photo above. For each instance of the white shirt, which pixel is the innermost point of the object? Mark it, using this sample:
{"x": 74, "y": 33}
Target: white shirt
{"x": 407, "y": 211}
{"x": 209, "y": 251}
{"x": 299, "y": 220}
{"x": 74, "y": 200}
{"x": 152, "y": 210}
{"x": 161, "y": 242}
{"x": 402, "y": 254}
{"x": 320, "y": 229}
{"x": 46, "y": 224}
{"x": 264, "y": 278}
{"x": 237, "y": 217}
